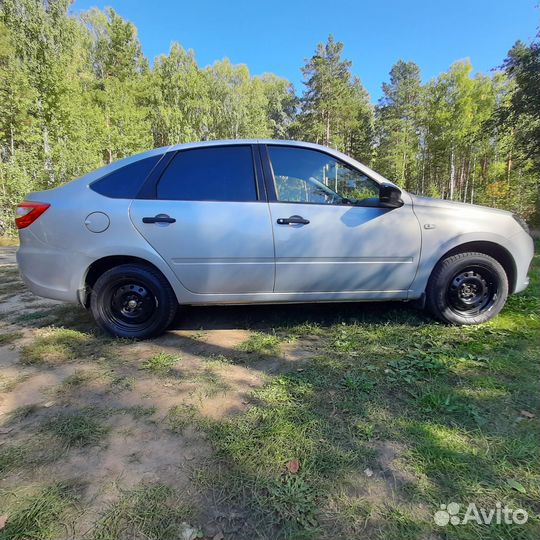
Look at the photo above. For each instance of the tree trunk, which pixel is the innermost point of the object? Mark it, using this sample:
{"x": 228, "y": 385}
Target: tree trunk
{"x": 452, "y": 175}
{"x": 48, "y": 160}
{"x": 327, "y": 135}
{"x": 11, "y": 142}
{"x": 509, "y": 166}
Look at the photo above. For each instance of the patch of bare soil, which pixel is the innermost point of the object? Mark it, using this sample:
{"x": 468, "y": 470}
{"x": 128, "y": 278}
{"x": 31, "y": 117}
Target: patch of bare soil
{"x": 110, "y": 383}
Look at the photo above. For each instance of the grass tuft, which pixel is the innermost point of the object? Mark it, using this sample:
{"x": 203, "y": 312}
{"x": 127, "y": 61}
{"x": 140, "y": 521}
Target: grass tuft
{"x": 261, "y": 344}
{"x": 22, "y": 412}
{"x": 294, "y": 502}
{"x": 9, "y": 337}
{"x": 181, "y": 416}
{"x": 39, "y": 515}
{"x": 155, "y": 512}
{"x": 57, "y": 345}
{"x": 161, "y": 363}
{"x": 77, "y": 429}
{"x": 12, "y": 457}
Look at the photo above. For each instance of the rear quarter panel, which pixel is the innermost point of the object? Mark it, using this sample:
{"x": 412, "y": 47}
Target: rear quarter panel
{"x": 57, "y": 249}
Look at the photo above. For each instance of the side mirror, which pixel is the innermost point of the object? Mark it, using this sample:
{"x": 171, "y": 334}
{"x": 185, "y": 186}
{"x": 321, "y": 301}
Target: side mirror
{"x": 389, "y": 196}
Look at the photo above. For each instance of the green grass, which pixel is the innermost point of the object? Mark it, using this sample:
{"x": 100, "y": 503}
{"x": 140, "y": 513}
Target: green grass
{"x": 140, "y": 411}
{"x": 12, "y": 457}
{"x": 57, "y": 345}
{"x": 79, "y": 429}
{"x": 153, "y": 512}
{"x": 161, "y": 363}
{"x": 261, "y": 344}
{"x": 29, "y": 453}
{"x": 39, "y": 514}
{"x": 22, "y": 412}
{"x": 180, "y": 416}
{"x": 9, "y": 337}
{"x": 76, "y": 380}
{"x": 445, "y": 400}
{"x": 210, "y": 382}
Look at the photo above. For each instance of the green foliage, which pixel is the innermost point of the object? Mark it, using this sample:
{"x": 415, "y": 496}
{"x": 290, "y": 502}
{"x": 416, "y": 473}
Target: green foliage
{"x": 398, "y": 120}
{"x": 76, "y": 92}
{"x": 335, "y": 107}
{"x": 9, "y": 337}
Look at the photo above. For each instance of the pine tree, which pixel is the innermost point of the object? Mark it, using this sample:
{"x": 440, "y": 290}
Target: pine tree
{"x": 399, "y": 125}
{"x": 335, "y": 106}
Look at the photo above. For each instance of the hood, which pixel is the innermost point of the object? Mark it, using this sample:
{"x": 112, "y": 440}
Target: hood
{"x": 418, "y": 200}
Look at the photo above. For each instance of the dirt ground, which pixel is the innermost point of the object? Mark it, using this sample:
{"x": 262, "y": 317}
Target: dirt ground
{"x": 105, "y": 377}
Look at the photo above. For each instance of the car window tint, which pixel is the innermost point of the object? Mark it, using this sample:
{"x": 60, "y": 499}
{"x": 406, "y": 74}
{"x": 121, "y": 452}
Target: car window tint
{"x": 221, "y": 173}
{"x": 308, "y": 176}
{"x": 126, "y": 182}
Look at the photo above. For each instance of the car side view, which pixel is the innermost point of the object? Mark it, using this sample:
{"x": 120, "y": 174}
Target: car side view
{"x": 261, "y": 221}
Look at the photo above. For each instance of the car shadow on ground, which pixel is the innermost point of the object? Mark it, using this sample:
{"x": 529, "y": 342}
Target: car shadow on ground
{"x": 258, "y": 317}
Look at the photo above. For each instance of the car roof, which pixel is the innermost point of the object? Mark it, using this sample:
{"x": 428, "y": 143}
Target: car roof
{"x": 98, "y": 173}
{"x": 298, "y": 144}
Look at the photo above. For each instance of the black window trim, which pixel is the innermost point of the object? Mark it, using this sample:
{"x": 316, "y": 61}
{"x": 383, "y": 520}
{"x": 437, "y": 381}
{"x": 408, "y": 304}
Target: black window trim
{"x": 149, "y": 189}
{"x": 270, "y": 180}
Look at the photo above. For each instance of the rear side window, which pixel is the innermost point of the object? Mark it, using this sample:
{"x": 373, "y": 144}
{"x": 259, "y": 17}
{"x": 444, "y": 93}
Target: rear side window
{"x": 221, "y": 173}
{"x": 126, "y": 182}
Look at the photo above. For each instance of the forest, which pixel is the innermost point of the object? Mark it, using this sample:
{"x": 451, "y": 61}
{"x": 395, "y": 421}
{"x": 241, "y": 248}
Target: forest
{"x": 77, "y": 92}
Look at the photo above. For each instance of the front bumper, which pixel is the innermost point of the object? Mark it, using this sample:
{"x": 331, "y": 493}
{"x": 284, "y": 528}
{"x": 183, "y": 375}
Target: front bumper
{"x": 522, "y": 247}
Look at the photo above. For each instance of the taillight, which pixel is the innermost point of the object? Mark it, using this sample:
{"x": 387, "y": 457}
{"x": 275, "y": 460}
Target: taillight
{"x": 28, "y": 212}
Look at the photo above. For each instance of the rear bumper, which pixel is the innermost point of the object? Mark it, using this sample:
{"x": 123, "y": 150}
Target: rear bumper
{"x": 48, "y": 271}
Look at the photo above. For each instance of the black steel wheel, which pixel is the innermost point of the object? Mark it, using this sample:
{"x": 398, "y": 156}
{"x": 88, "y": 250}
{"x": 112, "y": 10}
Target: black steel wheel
{"x": 133, "y": 301}
{"x": 467, "y": 288}
{"x": 473, "y": 291}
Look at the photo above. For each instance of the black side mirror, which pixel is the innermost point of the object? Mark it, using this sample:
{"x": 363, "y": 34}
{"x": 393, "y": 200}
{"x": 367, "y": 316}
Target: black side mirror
{"x": 389, "y": 196}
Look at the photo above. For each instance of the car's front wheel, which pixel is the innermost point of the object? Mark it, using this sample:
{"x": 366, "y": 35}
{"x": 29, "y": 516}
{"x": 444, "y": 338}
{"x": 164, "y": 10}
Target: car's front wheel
{"x": 467, "y": 288}
{"x": 133, "y": 301}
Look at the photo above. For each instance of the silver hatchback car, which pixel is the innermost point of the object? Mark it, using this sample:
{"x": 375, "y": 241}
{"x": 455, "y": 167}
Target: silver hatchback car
{"x": 253, "y": 221}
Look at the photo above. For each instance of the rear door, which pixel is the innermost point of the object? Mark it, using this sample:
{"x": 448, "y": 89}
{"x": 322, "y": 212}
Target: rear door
{"x": 330, "y": 234}
{"x": 210, "y": 220}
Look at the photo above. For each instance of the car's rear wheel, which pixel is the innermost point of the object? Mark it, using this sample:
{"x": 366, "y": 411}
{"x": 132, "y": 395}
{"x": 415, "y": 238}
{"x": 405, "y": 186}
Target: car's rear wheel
{"x": 133, "y": 301}
{"x": 467, "y": 288}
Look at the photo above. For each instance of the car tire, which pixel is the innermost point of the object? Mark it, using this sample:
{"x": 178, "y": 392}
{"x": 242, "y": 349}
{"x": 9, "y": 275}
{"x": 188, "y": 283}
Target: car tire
{"x": 467, "y": 288}
{"x": 133, "y": 301}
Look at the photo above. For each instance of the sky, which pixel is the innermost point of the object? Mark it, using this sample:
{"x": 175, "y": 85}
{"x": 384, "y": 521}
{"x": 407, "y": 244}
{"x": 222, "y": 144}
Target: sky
{"x": 278, "y": 36}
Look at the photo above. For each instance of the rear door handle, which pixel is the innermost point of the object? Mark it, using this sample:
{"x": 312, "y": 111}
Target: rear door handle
{"x": 160, "y": 218}
{"x": 293, "y": 220}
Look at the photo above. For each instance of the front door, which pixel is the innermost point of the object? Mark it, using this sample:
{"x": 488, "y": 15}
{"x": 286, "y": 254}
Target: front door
{"x": 209, "y": 223}
{"x": 330, "y": 234}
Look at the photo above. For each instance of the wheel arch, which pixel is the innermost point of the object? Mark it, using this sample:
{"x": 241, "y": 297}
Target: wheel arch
{"x": 498, "y": 252}
{"x": 101, "y": 265}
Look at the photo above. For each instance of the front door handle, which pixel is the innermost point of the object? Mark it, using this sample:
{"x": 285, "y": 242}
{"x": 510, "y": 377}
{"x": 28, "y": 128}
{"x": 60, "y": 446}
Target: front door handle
{"x": 293, "y": 220}
{"x": 160, "y": 218}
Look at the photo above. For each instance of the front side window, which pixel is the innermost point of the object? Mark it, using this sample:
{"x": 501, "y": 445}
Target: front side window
{"x": 220, "y": 173}
{"x": 309, "y": 176}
